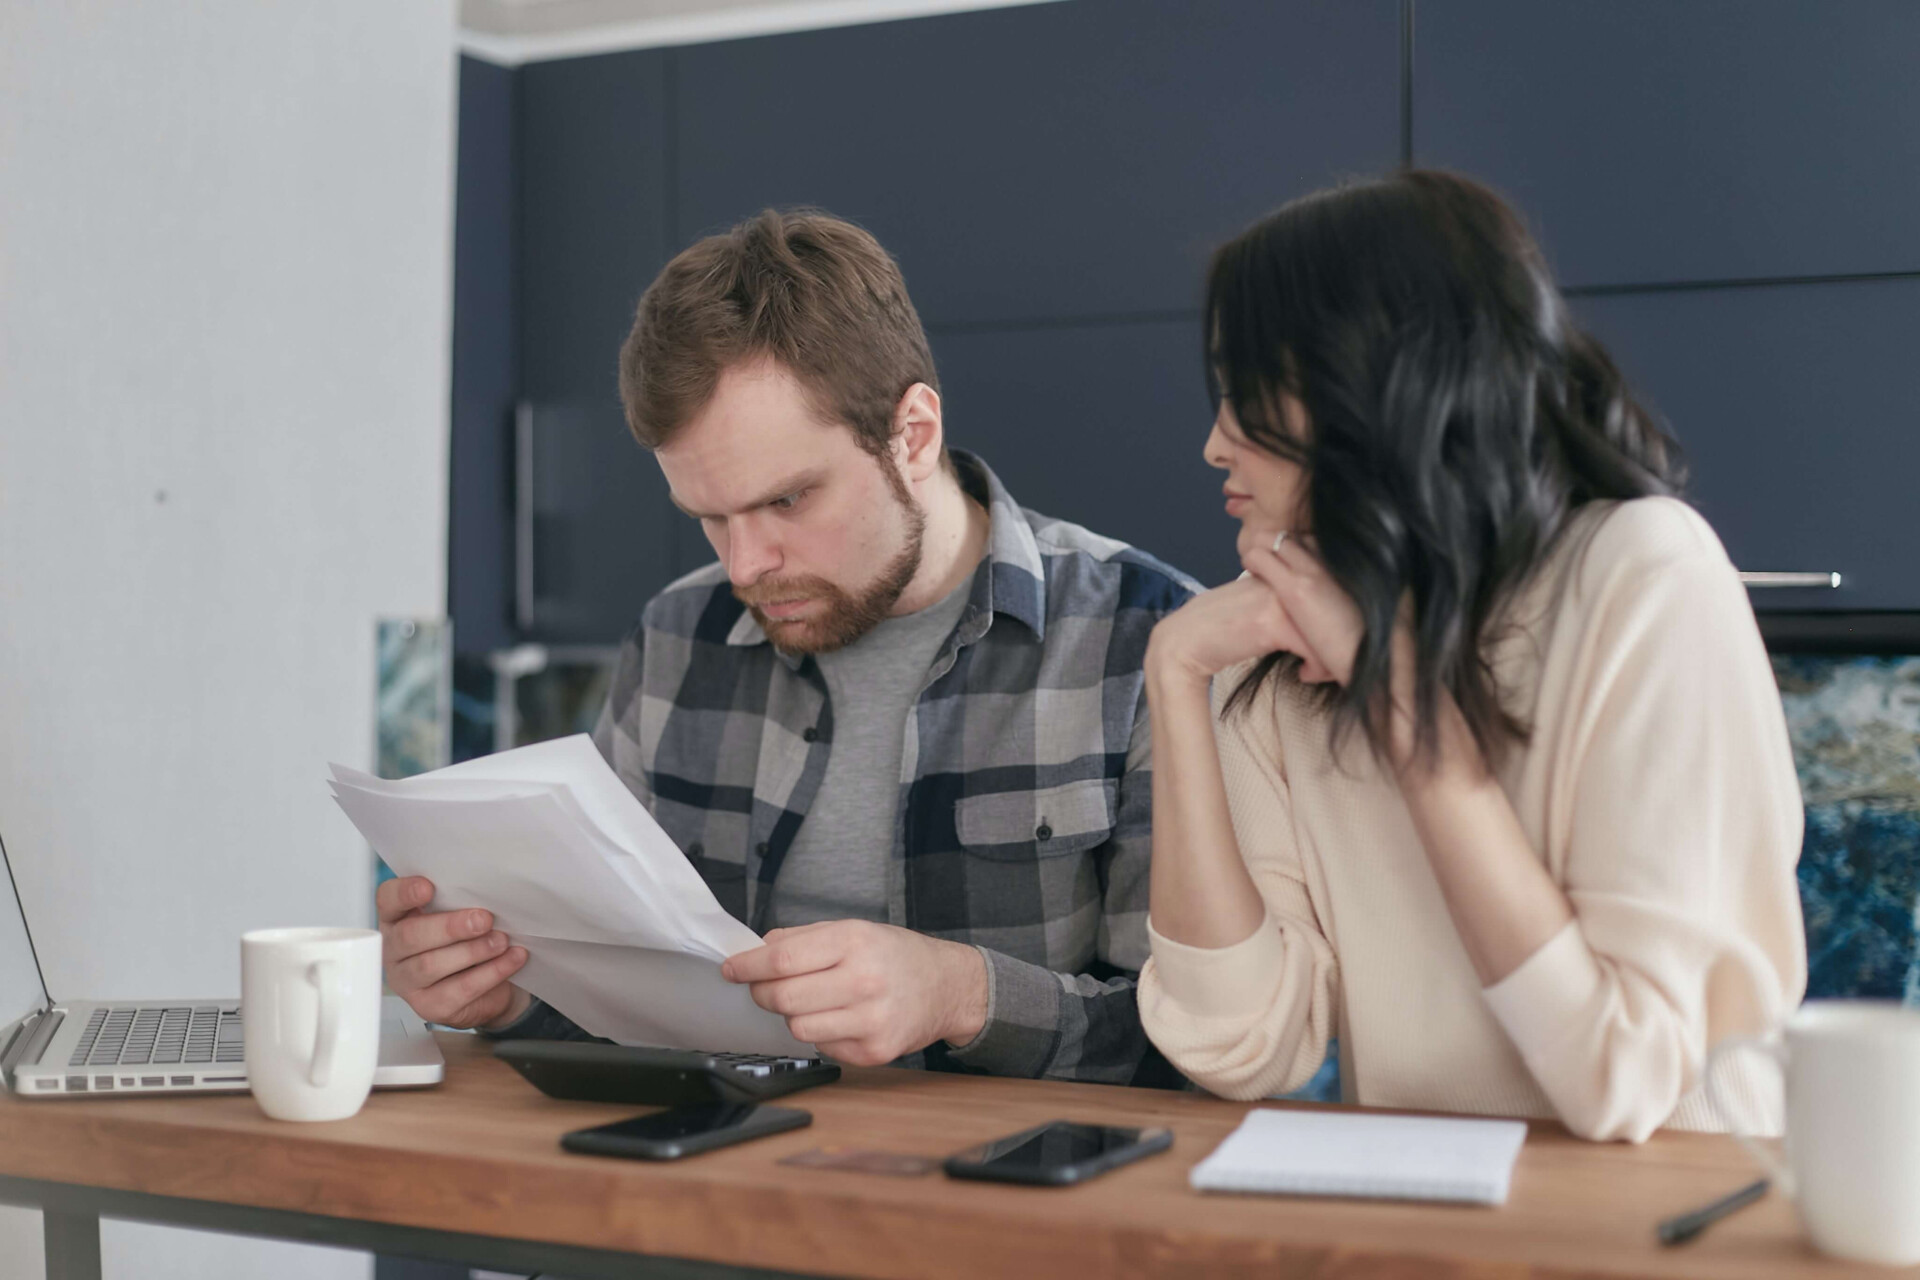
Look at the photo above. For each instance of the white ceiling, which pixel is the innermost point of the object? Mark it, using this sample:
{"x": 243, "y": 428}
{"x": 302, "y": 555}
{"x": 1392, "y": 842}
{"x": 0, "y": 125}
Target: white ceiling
{"x": 515, "y": 31}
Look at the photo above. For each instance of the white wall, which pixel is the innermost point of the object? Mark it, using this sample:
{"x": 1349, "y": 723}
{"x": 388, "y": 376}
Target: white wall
{"x": 224, "y": 297}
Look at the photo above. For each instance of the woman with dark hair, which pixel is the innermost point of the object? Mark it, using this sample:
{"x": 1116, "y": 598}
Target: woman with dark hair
{"x": 1480, "y": 766}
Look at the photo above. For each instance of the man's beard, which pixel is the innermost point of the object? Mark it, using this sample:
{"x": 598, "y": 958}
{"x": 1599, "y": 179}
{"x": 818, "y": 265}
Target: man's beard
{"x": 846, "y": 617}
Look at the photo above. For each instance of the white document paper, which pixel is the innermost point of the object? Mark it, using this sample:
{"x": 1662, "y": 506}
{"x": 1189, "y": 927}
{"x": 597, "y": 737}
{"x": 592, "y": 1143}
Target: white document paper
{"x": 637, "y": 996}
{"x": 621, "y": 933}
{"x": 1345, "y": 1153}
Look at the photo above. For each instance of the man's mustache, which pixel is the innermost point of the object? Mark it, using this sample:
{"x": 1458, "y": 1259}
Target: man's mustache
{"x": 764, "y": 592}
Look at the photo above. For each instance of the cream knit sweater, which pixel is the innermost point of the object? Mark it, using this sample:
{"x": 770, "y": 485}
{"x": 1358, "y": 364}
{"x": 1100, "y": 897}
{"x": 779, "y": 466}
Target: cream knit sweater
{"x": 1658, "y": 788}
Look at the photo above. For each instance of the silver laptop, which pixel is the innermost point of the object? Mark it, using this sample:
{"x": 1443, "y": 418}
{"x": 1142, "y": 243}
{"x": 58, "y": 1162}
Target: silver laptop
{"x": 68, "y": 1048}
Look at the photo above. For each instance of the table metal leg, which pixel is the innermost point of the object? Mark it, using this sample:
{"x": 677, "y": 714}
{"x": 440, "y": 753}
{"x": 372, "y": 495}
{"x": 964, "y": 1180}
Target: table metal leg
{"x": 73, "y": 1244}
{"x": 72, "y": 1217}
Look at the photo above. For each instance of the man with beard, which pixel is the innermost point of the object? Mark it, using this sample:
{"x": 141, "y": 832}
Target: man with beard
{"x": 899, "y": 726}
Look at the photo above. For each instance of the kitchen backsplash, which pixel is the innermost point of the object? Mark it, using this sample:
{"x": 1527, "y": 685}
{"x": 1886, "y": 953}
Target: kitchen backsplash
{"x": 1855, "y": 727}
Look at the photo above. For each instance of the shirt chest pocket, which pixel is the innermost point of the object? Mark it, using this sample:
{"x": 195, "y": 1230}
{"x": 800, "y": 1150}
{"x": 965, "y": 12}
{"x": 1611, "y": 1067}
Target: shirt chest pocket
{"x": 1019, "y": 826}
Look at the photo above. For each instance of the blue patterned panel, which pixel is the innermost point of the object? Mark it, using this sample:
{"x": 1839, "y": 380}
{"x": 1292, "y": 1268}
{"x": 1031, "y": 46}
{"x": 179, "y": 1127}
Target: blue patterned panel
{"x": 411, "y": 697}
{"x": 1325, "y": 1085}
{"x": 1855, "y": 724}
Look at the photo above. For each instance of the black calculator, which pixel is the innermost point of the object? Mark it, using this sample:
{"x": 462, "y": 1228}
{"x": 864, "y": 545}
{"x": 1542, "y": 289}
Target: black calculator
{"x": 583, "y": 1071}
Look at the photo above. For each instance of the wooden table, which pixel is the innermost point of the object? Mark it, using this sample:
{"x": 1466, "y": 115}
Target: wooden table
{"x": 472, "y": 1172}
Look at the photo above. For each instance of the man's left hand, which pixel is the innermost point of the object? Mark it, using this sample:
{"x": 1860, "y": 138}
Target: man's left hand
{"x": 866, "y": 993}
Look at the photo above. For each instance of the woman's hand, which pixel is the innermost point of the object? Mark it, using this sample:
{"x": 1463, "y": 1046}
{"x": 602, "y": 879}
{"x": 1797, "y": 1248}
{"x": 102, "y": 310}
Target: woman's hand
{"x": 1218, "y": 628}
{"x": 1323, "y": 615}
{"x": 1330, "y": 626}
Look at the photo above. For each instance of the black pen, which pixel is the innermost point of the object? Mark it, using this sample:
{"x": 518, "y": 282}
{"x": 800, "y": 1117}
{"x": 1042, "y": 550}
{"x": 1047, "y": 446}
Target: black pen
{"x": 1688, "y": 1225}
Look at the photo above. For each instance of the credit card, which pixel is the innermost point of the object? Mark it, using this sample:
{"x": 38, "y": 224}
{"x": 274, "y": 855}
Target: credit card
{"x": 854, "y": 1160}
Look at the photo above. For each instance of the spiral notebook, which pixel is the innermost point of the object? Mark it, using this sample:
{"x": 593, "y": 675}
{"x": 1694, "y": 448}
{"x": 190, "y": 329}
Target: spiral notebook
{"x": 1341, "y": 1153}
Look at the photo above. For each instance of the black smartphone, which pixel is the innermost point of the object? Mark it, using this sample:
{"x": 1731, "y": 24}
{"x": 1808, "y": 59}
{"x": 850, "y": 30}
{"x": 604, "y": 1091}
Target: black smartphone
{"x": 685, "y": 1131}
{"x": 1057, "y": 1154}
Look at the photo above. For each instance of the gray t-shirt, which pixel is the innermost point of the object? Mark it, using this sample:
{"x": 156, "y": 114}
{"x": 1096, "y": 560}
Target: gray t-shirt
{"x": 836, "y": 868}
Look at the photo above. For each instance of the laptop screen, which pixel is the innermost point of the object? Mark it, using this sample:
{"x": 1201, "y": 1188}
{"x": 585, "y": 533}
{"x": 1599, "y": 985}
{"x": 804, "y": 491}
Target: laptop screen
{"x": 21, "y": 988}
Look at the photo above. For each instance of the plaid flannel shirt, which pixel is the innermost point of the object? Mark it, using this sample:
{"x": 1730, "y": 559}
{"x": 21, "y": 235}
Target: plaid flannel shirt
{"x": 1025, "y": 798}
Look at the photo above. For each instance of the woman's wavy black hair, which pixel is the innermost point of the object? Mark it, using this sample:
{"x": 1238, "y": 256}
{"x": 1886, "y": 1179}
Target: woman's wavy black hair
{"x": 1456, "y": 418}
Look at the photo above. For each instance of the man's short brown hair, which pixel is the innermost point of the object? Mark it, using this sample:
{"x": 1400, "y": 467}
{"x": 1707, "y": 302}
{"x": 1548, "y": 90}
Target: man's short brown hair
{"x": 815, "y": 293}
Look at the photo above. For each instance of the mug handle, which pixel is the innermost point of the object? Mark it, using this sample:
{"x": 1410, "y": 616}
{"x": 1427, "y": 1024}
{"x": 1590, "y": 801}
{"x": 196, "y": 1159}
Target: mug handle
{"x": 1778, "y": 1173}
{"x": 325, "y": 977}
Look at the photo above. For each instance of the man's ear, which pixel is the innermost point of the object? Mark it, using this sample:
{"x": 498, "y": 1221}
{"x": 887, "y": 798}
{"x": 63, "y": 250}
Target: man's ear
{"x": 918, "y": 435}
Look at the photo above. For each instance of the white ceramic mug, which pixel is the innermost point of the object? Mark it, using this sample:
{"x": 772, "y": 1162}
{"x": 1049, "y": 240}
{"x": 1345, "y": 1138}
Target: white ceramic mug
{"x": 1853, "y": 1125}
{"x": 310, "y": 1000}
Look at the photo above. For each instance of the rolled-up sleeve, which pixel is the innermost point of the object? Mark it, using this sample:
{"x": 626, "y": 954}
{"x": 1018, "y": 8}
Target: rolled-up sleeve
{"x": 1677, "y": 853}
{"x": 1253, "y": 1019}
{"x": 1085, "y": 1025}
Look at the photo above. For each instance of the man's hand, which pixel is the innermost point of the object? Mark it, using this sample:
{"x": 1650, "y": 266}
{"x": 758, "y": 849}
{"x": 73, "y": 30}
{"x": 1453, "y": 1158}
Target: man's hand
{"x": 866, "y": 993}
{"x": 450, "y": 966}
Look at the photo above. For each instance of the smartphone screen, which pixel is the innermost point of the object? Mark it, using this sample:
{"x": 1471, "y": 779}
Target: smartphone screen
{"x": 681, "y": 1122}
{"x": 685, "y": 1131}
{"x": 1059, "y": 1152}
{"x": 1059, "y": 1143}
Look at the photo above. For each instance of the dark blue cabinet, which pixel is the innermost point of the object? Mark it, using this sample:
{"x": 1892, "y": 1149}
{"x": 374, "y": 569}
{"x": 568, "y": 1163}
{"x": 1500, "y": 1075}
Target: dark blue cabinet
{"x": 1655, "y": 141}
{"x": 1098, "y": 424}
{"x": 1071, "y": 161}
{"x": 1800, "y": 414}
{"x": 1059, "y": 160}
{"x": 593, "y": 198}
{"x": 594, "y": 190}
{"x": 1053, "y": 177}
{"x": 600, "y": 538}
{"x": 486, "y": 360}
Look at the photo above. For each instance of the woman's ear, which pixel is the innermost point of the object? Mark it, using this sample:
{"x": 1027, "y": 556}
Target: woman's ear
{"x": 918, "y": 433}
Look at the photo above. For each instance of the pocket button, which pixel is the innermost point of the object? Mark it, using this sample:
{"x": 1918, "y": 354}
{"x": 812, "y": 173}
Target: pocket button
{"x": 1043, "y": 832}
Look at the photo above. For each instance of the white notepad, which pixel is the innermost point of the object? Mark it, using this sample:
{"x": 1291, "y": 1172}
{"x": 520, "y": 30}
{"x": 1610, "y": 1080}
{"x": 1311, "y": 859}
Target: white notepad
{"x": 1342, "y": 1153}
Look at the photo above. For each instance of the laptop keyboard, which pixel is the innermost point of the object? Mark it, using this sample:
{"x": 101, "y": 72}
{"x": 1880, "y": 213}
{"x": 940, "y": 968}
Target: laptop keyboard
{"x": 144, "y": 1035}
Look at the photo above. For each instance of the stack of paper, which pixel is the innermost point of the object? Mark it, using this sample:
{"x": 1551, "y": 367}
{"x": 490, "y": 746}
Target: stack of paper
{"x": 1343, "y": 1153}
{"x": 622, "y": 935}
